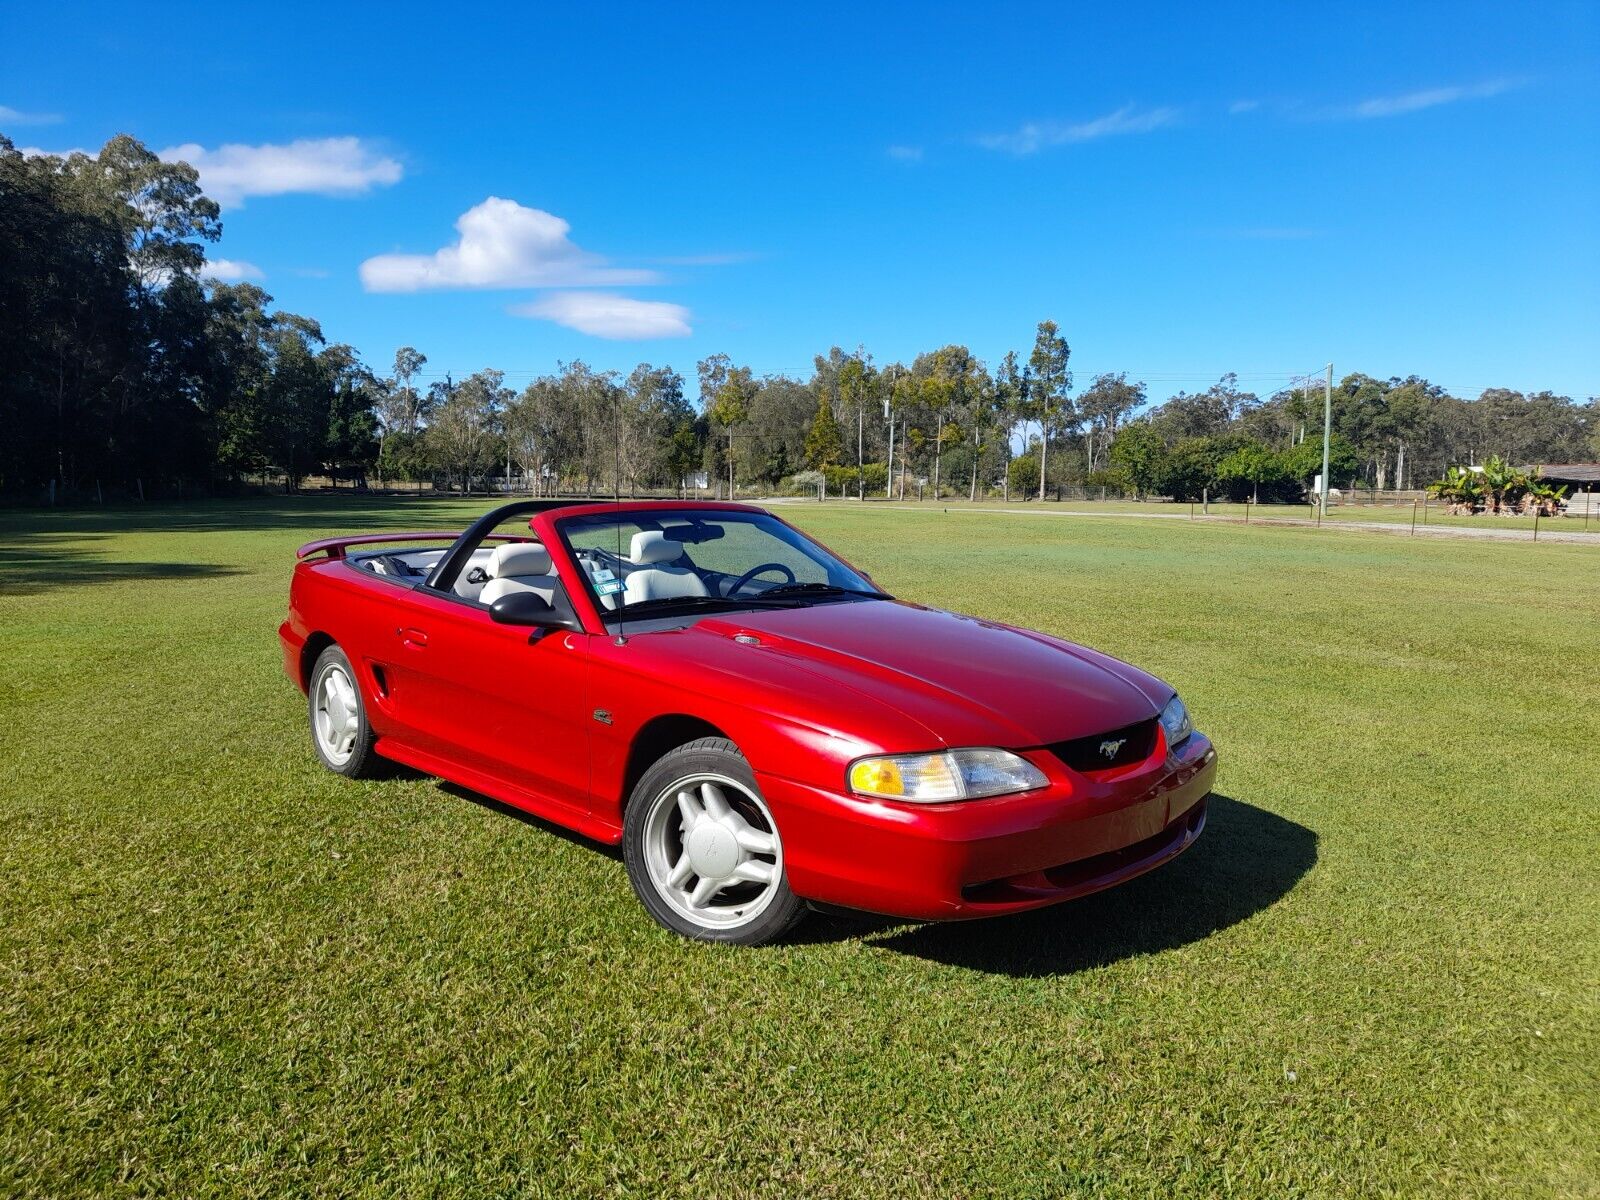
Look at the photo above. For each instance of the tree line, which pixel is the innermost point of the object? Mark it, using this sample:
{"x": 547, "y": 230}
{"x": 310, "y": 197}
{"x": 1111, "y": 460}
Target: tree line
{"x": 124, "y": 368}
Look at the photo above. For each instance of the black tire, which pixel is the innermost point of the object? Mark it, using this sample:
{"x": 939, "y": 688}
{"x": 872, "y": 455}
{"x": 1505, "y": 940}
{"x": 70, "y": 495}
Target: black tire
{"x": 361, "y": 761}
{"x": 780, "y": 909}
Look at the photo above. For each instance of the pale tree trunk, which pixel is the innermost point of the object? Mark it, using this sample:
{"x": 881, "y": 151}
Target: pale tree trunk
{"x": 977, "y": 453}
{"x": 938, "y": 453}
{"x": 888, "y": 485}
{"x": 1044, "y": 446}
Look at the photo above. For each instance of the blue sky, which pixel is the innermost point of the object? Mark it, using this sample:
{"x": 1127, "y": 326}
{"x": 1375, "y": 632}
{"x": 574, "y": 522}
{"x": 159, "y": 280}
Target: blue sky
{"x": 1186, "y": 189}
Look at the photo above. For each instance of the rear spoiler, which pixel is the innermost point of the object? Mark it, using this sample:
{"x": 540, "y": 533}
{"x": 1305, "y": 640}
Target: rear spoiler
{"x": 335, "y": 547}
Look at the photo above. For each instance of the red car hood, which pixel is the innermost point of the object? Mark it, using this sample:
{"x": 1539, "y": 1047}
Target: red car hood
{"x": 967, "y": 681}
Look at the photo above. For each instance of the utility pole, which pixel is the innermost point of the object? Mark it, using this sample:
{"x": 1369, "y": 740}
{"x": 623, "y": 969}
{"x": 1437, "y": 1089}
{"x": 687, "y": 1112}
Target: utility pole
{"x": 1327, "y": 432}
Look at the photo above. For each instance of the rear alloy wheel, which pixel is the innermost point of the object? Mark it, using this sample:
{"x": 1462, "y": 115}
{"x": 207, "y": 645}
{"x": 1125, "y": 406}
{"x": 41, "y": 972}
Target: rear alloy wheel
{"x": 702, "y": 850}
{"x": 339, "y": 728}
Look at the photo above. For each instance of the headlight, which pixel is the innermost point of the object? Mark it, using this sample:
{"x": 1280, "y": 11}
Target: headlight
{"x": 952, "y": 775}
{"x": 1175, "y": 721}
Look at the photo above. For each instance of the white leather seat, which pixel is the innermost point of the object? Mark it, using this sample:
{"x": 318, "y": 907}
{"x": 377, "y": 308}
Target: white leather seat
{"x": 522, "y": 567}
{"x": 657, "y": 579}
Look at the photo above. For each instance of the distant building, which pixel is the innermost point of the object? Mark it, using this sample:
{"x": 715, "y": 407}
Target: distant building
{"x": 1579, "y": 477}
{"x": 1582, "y": 481}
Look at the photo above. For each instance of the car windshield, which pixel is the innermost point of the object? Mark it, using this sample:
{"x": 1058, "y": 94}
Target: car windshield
{"x": 666, "y": 562}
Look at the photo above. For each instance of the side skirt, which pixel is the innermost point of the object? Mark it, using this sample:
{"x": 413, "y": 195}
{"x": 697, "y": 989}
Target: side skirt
{"x": 585, "y": 823}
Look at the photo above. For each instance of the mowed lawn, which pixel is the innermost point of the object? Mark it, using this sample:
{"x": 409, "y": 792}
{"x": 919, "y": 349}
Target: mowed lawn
{"x": 224, "y": 971}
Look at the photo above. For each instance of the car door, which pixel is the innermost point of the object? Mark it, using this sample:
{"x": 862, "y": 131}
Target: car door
{"x": 501, "y": 701}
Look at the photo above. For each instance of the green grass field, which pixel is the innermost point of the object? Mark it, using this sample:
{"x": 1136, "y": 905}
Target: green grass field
{"x": 1431, "y": 516}
{"x": 227, "y": 972}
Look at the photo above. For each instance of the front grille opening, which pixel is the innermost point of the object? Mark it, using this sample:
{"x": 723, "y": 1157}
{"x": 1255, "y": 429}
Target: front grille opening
{"x": 1107, "y": 751}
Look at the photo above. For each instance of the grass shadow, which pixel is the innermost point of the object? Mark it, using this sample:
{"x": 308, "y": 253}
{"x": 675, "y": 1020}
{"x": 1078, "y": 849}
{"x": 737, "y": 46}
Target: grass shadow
{"x": 1246, "y": 860}
{"x": 348, "y": 511}
{"x": 523, "y": 815}
{"x": 43, "y": 564}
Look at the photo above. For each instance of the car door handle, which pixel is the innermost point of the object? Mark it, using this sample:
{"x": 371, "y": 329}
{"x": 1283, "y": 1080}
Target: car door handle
{"x": 415, "y": 638}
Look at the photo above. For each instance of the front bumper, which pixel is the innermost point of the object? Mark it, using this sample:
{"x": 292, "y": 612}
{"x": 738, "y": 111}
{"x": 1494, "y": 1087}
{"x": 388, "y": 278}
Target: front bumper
{"x": 983, "y": 858}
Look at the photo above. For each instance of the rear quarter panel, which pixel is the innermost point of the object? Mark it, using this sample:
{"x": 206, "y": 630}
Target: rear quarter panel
{"x": 329, "y": 600}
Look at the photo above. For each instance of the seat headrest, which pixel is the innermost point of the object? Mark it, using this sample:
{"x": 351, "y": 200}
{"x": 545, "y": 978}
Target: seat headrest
{"x": 653, "y": 546}
{"x": 514, "y": 560}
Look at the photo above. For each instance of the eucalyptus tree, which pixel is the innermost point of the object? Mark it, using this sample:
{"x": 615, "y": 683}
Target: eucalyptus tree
{"x": 92, "y": 244}
{"x": 654, "y": 408}
{"x": 399, "y": 405}
{"x": 352, "y": 424}
{"x": 1102, "y": 406}
{"x": 1052, "y": 385}
{"x": 902, "y": 394}
{"x": 1012, "y": 382}
{"x": 781, "y": 417}
{"x": 857, "y": 388}
{"x": 950, "y": 379}
{"x": 730, "y": 410}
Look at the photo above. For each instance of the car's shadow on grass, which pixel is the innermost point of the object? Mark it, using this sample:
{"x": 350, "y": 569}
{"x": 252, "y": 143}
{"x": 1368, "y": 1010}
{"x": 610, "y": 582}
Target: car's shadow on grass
{"x": 1245, "y": 861}
{"x": 512, "y": 811}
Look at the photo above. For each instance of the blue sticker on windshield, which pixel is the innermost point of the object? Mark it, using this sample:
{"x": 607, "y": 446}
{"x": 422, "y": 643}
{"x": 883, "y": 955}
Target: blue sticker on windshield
{"x": 609, "y": 587}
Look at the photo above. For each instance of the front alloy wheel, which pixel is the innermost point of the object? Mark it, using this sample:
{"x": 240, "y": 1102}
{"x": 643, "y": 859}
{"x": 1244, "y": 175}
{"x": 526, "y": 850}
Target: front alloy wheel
{"x": 703, "y": 851}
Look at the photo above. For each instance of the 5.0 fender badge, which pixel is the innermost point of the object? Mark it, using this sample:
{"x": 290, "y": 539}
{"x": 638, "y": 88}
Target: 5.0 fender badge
{"x": 602, "y": 716}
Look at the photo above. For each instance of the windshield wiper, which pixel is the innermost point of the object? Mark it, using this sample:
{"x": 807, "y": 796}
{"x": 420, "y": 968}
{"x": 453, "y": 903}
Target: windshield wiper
{"x": 820, "y": 589}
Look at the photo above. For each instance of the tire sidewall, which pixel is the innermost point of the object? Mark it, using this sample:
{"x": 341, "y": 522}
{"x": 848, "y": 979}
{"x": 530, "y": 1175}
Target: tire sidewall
{"x": 706, "y": 756}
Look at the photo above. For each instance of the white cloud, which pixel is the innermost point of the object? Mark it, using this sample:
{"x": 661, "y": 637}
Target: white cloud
{"x": 12, "y": 116}
{"x": 502, "y": 245}
{"x": 905, "y": 154}
{"x": 1410, "y": 102}
{"x": 338, "y": 166}
{"x": 38, "y": 152}
{"x": 606, "y": 315}
{"x": 1034, "y": 136}
{"x": 230, "y": 270}
{"x": 1240, "y": 107}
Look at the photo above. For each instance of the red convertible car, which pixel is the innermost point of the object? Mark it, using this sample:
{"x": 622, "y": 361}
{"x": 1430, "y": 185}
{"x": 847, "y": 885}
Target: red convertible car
{"x": 760, "y": 726}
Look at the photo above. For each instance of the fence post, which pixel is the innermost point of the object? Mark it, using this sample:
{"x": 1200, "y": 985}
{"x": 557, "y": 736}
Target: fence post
{"x": 1247, "y": 512}
{"x": 1536, "y": 513}
{"x": 1413, "y": 518}
{"x": 1191, "y": 515}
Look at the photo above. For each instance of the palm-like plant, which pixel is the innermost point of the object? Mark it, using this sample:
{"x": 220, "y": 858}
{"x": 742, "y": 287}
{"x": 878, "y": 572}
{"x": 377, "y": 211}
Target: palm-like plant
{"x": 1543, "y": 498}
{"x": 1461, "y": 488}
{"x": 1502, "y": 483}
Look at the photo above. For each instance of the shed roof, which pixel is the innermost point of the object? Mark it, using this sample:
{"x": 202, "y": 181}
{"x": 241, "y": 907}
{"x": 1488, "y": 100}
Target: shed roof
{"x": 1568, "y": 472}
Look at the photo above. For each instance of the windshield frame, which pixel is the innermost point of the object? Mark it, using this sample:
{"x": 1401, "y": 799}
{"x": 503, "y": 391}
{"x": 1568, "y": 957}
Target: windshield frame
{"x": 691, "y": 512}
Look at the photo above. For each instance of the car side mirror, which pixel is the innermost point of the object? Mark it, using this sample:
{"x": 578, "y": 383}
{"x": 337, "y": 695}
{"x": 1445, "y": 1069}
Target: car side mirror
{"x": 526, "y": 608}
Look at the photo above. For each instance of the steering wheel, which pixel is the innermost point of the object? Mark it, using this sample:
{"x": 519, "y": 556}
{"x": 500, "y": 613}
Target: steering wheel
{"x": 734, "y": 588}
